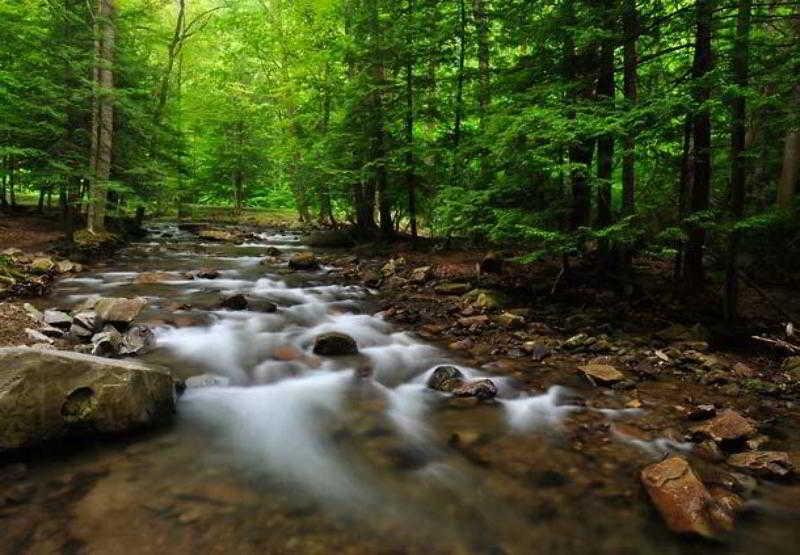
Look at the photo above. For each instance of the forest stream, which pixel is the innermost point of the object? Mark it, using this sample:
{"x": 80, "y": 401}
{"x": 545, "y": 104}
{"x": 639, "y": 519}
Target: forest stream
{"x": 277, "y": 450}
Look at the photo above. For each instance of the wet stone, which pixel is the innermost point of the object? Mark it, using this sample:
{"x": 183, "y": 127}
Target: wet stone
{"x": 118, "y": 310}
{"x": 234, "y": 302}
{"x": 727, "y": 427}
{"x": 335, "y": 344}
{"x": 683, "y": 501}
{"x": 452, "y": 289}
{"x": 602, "y": 374}
{"x": 765, "y": 464}
{"x": 304, "y": 261}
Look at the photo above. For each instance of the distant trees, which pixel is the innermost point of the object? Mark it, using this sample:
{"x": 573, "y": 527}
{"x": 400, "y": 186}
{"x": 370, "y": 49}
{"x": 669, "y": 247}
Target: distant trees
{"x": 559, "y": 127}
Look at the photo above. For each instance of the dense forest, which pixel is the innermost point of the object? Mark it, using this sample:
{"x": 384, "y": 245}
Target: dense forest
{"x": 561, "y": 128}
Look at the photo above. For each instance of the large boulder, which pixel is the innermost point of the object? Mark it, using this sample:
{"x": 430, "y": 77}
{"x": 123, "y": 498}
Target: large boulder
{"x": 335, "y": 344}
{"x": 118, "y": 311}
{"x": 47, "y": 395}
{"x": 236, "y": 301}
{"x": 683, "y": 501}
{"x": 304, "y": 261}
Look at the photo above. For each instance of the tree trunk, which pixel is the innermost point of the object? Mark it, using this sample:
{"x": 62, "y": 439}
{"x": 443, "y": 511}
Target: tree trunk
{"x": 790, "y": 168}
{"x": 411, "y": 180}
{"x": 685, "y": 184}
{"x": 605, "y": 144}
{"x": 575, "y": 70}
{"x": 741, "y": 77}
{"x": 324, "y": 192}
{"x": 700, "y": 194}
{"x": 462, "y": 53}
{"x": 105, "y": 112}
{"x": 630, "y": 23}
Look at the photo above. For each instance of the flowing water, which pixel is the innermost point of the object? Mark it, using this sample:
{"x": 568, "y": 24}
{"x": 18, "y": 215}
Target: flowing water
{"x": 286, "y": 452}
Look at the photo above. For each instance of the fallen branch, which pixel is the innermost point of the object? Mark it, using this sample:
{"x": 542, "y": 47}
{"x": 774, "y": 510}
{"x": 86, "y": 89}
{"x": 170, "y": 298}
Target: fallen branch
{"x": 780, "y": 344}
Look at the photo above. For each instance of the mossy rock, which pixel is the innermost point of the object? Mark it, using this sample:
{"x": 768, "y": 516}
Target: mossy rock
{"x": 85, "y": 239}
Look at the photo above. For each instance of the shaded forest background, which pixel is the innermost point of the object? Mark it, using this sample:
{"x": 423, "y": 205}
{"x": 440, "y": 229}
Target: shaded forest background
{"x": 567, "y": 129}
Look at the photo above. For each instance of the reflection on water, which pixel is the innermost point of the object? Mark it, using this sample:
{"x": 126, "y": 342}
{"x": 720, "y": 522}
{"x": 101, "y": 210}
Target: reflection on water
{"x": 306, "y": 454}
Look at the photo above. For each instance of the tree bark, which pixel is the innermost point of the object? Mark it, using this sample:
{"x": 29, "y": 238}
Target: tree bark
{"x": 605, "y": 143}
{"x": 738, "y": 180}
{"x": 105, "y": 113}
{"x": 694, "y": 274}
{"x": 411, "y": 180}
{"x": 790, "y": 168}
{"x": 630, "y": 24}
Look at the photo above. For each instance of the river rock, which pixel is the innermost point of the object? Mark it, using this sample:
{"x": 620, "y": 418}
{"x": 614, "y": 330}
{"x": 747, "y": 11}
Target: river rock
{"x": 79, "y": 332}
{"x": 766, "y": 464}
{"x": 421, "y": 275}
{"x": 479, "y": 389}
{"x": 33, "y": 312}
{"x": 510, "y": 321}
{"x": 445, "y": 378}
{"x": 57, "y": 319}
{"x": 450, "y": 379}
{"x": 50, "y": 331}
{"x": 107, "y": 343}
{"x": 42, "y": 265}
{"x": 47, "y": 395}
{"x": 218, "y": 235}
{"x": 118, "y": 311}
{"x": 683, "y": 501}
{"x": 234, "y": 302}
{"x": 791, "y": 366}
{"x": 485, "y": 298}
{"x": 601, "y": 374}
{"x": 274, "y": 252}
{"x": 203, "y": 273}
{"x": 335, "y": 344}
{"x": 304, "y": 261}
{"x": 138, "y": 340}
{"x": 37, "y": 336}
{"x": 67, "y": 267}
{"x": 153, "y": 278}
{"x": 391, "y": 267}
{"x": 87, "y": 319}
{"x": 727, "y": 427}
{"x": 451, "y": 289}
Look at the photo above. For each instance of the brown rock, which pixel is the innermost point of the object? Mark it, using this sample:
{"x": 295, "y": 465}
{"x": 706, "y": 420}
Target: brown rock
{"x": 452, "y": 288}
{"x": 602, "y": 374}
{"x": 474, "y": 321}
{"x": 683, "y": 501}
{"x": 767, "y": 464}
{"x": 118, "y": 310}
{"x": 728, "y": 426}
{"x": 304, "y": 261}
{"x": 151, "y": 278}
{"x": 421, "y": 275}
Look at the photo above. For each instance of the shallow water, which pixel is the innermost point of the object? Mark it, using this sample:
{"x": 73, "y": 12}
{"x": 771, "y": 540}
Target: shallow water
{"x": 354, "y": 454}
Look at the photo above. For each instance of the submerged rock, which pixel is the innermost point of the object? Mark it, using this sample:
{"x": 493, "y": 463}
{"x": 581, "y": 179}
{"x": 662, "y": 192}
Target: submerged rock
{"x": 153, "y": 278}
{"x": 480, "y": 389}
{"x": 235, "y": 302}
{"x": 335, "y": 344}
{"x": 47, "y": 395}
{"x": 683, "y": 501}
{"x": 304, "y": 261}
{"x": 207, "y": 380}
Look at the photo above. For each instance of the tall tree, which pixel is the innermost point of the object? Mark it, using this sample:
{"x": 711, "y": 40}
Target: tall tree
{"x": 700, "y": 193}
